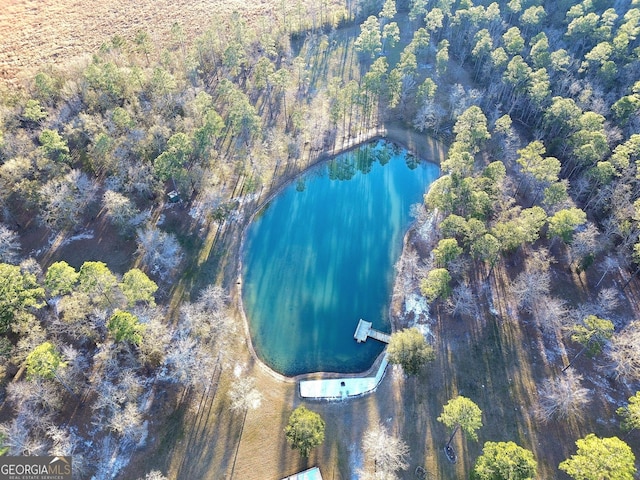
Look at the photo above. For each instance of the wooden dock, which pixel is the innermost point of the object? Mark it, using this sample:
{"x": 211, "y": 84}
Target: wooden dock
{"x": 364, "y": 331}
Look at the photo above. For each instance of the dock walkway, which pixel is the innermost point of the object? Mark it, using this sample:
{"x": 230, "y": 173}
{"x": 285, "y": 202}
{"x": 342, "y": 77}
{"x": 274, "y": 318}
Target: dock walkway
{"x": 364, "y": 331}
{"x": 348, "y": 387}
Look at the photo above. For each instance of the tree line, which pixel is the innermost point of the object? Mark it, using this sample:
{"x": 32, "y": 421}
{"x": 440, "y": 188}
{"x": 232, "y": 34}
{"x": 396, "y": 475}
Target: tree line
{"x": 539, "y": 106}
{"x": 542, "y": 123}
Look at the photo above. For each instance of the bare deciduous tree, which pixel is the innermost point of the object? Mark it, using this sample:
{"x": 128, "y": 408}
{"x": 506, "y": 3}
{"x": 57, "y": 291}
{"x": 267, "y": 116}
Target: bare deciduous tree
{"x": 74, "y": 375}
{"x": 128, "y": 423}
{"x": 244, "y": 395}
{"x": 115, "y": 391}
{"x": 586, "y": 243}
{"x": 39, "y": 399}
{"x": 160, "y": 251}
{"x": 189, "y": 363}
{"x": 65, "y": 198}
{"x": 120, "y": 210}
{"x": 429, "y": 117}
{"x": 530, "y": 288}
{"x": 78, "y": 317}
{"x": 213, "y": 298}
{"x": 31, "y": 266}
{"x": 533, "y": 285}
{"x": 31, "y": 335}
{"x": 551, "y": 314}
{"x": 117, "y": 405}
{"x": 208, "y": 318}
{"x": 608, "y": 300}
{"x": 387, "y": 452}
{"x": 19, "y": 439}
{"x": 156, "y": 336}
{"x": 67, "y": 443}
{"x": 462, "y": 301}
{"x": 609, "y": 263}
{"x": 624, "y": 352}
{"x": 563, "y": 397}
{"x": 9, "y": 246}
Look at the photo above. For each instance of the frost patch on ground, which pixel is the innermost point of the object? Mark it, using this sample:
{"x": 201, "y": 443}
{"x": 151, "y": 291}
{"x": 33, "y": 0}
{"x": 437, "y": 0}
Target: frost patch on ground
{"x": 197, "y": 211}
{"x": 250, "y": 197}
{"x": 612, "y": 401}
{"x": 425, "y": 230}
{"x": 493, "y": 309}
{"x": 417, "y": 305}
{"x": 112, "y": 459}
{"x": 424, "y": 329}
{"x": 356, "y": 460}
{"x": 397, "y": 373}
{"x": 140, "y": 218}
{"x": 552, "y": 355}
{"x": 84, "y": 235}
{"x": 201, "y": 208}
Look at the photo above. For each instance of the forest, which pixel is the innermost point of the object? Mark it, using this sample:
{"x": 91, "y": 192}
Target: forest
{"x": 128, "y": 177}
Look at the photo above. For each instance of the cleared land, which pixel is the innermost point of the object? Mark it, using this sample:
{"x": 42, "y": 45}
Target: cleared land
{"x": 35, "y": 33}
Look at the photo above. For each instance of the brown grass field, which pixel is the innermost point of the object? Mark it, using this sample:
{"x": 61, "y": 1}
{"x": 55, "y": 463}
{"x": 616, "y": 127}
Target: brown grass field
{"x": 36, "y": 33}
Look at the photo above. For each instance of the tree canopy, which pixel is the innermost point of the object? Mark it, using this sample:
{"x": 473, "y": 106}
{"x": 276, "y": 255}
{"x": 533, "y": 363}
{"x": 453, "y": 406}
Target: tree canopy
{"x": 98, "y": 281}
{"x": 593, "y": 333}
{"x": 436, "y": 284}
{"x": 409, "y": 349}
{"x": 19, "y": 291}
{"x": 461, "y": 412}
{"x": 369, "y": 43}
{"x": 446, "y": 251}
{"x": 630, "y": 413}
{"x": 304, "y": 430}
{"x": 504, "y": 461}
{"x": 138, "y": 287}
{"x": 599, "y": 458}
{"x": 54, "y": 146}
{"x": 60, "y": 278}
{"x": 563, "y": 223}
{"x": 44, "y": 361}
{"x": 125, "y": 327}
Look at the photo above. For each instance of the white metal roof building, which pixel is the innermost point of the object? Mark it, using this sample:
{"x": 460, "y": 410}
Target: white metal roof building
{"x": 311, "y": 474}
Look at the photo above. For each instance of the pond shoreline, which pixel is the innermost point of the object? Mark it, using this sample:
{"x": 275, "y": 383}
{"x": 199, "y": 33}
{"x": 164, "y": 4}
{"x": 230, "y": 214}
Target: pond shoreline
{"x": 421, "y": 146}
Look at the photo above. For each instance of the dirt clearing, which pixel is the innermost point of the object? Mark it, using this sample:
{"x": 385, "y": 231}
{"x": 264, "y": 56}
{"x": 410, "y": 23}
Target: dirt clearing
{"x": 35, "y": 33}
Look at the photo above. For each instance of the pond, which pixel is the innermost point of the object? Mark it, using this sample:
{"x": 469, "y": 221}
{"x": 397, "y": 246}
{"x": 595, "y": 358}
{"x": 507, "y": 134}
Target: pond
{"x": 321, "y": 255}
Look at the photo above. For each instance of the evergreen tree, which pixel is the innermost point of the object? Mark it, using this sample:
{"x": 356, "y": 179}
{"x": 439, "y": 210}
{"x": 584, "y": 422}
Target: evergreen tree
{"x": 305, "y": 430}
{"x": 599, "y": 458}
{"x": 409, "y": 349}
{"x": 504, "y": 461}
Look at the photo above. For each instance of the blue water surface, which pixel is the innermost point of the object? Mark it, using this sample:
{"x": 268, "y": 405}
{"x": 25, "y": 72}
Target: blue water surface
{"x": 320, "y": 256}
